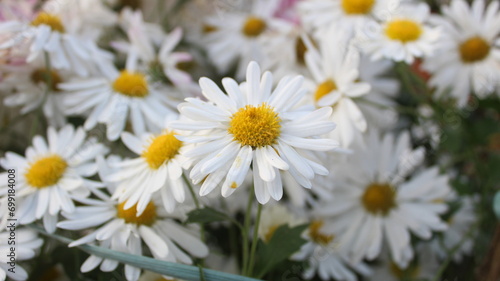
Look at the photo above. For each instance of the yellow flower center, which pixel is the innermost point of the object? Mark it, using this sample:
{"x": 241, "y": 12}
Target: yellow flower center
{"x": 53, "y": 21}
{"x": 379, "y": 198}
{"x": 474, "y": 49}
{"x": 131, "y": 84}
{"x": 316, "y": 235}
{"x": 253, "y": 26}
{"x": 324, "y": 89}
{"x": 46, "y": 171}
{"x": 42, "y": 75}
{"x": 147, "y": 217}
{"x": 357, "y": 7}
{"x": 403, "y": 30}
{"x": 208, "y": 28}
{"x": 255, "y": 126}
{"x": 161, "y": 150}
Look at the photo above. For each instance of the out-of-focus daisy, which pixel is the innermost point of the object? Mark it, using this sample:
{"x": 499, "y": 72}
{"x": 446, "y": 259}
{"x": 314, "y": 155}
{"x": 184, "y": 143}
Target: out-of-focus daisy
{"x": 36, "y": 86}
{"x": 122, "y": 230}
{"x": 334, "y": 83}
{"x": 238, "y": 37}
{"x": 404, "y": 36}
{"x": 51, "y": 174}
{"x": 468, "y": 55}
{"x": 158, "y": 169}
{"x": 460, "y": 224}
{"x": 155, "y": 49}
{"x": 56, "y": 34}
{"x": 276, "y": 216}
{"x": 253, "y": 125}
{"x": 26, "y": 245}
{"x": 375, "y": 203}
{"x": 321, "y": 15}
{"x": 118, "y": 97}
{"x": 324, "y": 256}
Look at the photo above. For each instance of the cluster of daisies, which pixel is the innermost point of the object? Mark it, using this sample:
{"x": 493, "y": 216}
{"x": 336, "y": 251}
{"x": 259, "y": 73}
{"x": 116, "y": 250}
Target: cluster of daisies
{"x": 301, "y": 113}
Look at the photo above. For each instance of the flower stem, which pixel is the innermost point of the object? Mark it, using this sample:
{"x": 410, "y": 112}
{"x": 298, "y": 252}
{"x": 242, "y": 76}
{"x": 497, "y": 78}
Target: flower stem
{"x": 254, "y": 240}
{"x": 196, "y": 203}
{"x": 244, "y": 232}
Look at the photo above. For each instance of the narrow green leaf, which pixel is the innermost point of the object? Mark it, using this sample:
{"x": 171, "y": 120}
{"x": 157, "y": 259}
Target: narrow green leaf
{"x": 207, "y": 215}
{"x": 180, "y": 271}
{"x": 496, "y": 204}
{"x": 284, "y": 242}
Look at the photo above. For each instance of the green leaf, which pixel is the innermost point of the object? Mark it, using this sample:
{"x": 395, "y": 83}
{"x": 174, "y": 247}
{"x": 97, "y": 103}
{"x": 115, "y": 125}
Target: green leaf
{"x": 207, "y": 215}
{"x": 180, "y": 271}
{"x": 496, "y": 204}
{"x": 284, "y": 242}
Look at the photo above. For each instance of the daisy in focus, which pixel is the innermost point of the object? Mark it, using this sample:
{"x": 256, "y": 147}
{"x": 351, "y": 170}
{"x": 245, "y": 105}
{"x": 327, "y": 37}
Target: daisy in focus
{"x": 335, "y": 83}
{"x": 123, "y": 230}
{"x": 468, "y": 56}
{"x": 404, "y": 36}
{"x": 26, "y": 244}
{"x": 58, "y": 34}
{"x": 253, "y": 125}
{"x": 118, "y": 97}
{"x": 378, "y": 204}
{"x": 158, "y": 170}
{"x": 52, "y": 173}
{"x": 239, "y": 37}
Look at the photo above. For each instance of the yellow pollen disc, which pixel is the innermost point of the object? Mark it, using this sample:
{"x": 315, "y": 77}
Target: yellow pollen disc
{"x": 48, "y": 19}
{"x": 316, "y": 235}
{"x": 42, "y": 75}
{"x": 147, "y": 217}
{"x": 403, "y": 30}
{"x": 324, "y": 89}
{"x": 474, "y": 49}
{"x": 46, "y": 171}
{"x": 270, "y": 232}
{"x": 161, "y": 150}
{"x": 357, "y": 7}
{"x": 207, "y": 28}
{"x": 131, "y": 84}
{"x": 253, "y": 26}
{"x": 379, "y": 198}
{"x": 255, "y": 126}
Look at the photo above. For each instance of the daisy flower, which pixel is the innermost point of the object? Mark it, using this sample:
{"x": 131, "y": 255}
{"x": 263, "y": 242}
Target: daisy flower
{"x": 320, "y": 15}
{"x": 158, "y": 169}
{"x": 239, "y": 36}
{"x": 324, "y": 257}
{"x": 468, "y": 55}
{"x": 404, "y": 36}
{"x": 26, "y": 245}
{"x": 117, "y": 97}
{"x": 276, "y": 216}
{"x": 334, "y": 83}
{"x": 253, "y": 125}
{"x": 35, "y": 86}
{"x": 52, "y": 174}
{"x": 56, "y": 34}
{"x": 123, "y": 230}
{"x": 376, "y": 202}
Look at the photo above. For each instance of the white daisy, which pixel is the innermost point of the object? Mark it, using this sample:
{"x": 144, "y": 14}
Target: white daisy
{"x": 404, "y": 36}
{"x": 30, "y": 90}
{"x": 468, "y": 55}
{"x": 52, "y": 174}
{"x": 158, "y": 170}
{"x": 239, "y": 36}
{"x": 320, "y": 15}
{"x": 252, "y": 125}
{"x": 375, "y": 202}
{"x": 56, "y": 35}
{"x": 26, "y": 245}
{"x": 122, "y": 230}
{"x": 334, "y": 83}
{"x": 275, "y": 216}
{"x": 118, "y": 97}
{"x": 325, "y": 257}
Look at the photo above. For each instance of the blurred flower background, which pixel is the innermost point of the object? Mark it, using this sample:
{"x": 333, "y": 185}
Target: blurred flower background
{"x": 265, "y": 139}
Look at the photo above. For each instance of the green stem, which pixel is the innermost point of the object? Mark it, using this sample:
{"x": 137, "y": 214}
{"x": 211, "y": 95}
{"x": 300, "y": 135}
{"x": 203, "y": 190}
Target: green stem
{"x": 196, "y": 203}
{"x": 254, "y": 240}
{"x": 245, "y": 230}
